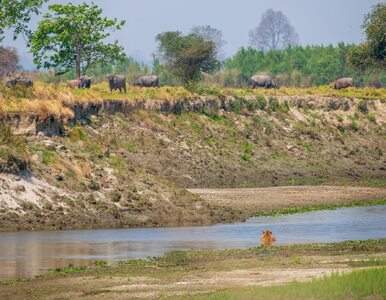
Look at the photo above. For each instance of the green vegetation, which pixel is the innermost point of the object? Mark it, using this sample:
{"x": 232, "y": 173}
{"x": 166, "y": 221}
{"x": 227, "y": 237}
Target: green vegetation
{"x": 72, "y": 36}
{"x": 298, "y": 66}
{"x": 355, "y": 285}
{"x": 14, "y": 155}
{"x": 187, "y": 56}
{"x": 16, "y": 14}
{"x": 372, "y": 53}
{"x": 294, "y": 210}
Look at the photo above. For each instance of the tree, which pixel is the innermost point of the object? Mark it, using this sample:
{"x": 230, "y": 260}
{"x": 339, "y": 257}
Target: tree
{"x": 8, "y": 61}
{"x": 187, "y": 56}
{"x": 371, "y": 54}
{"x": 274, "y": 32}
{"x": 16, "y": 14}
{"x": 72, "y": 36}
{"x": 214, "y": 35}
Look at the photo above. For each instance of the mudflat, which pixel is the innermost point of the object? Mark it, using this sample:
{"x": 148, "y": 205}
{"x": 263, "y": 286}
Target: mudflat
{"x": 271, "y": 198}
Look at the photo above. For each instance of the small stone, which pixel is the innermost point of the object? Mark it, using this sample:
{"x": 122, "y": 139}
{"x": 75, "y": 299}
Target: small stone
{"x": 59, "y": 177}
{"x": 40, "y": 135}
{"x": 20, "y": 188}
{"x": 61, "y": 148}
{"x": 50, "y": 145}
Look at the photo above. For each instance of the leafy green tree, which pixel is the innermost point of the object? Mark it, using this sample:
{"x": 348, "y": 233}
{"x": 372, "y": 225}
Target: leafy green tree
{"x": 16, "y": 14}
{"x": 371, "y": 54}
{"x": 72, "y": 36}
{"x": 187, "y": 56}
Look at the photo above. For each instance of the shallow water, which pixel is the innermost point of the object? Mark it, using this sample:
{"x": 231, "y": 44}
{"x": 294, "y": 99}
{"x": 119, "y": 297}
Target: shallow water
{"x": 26, "y": 254}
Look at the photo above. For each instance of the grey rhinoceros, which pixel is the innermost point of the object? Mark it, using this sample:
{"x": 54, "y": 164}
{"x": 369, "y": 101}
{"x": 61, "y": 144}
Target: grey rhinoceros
{"x": 264, "y": 81}
{"x": 147, "y": 81}
{"x": 343, "y": 83}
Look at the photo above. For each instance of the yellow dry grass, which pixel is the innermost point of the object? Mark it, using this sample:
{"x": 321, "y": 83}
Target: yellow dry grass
{"x": 57, "y": 99}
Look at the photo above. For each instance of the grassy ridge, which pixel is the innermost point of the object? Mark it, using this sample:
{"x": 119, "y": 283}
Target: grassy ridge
{"x": 355, "y": 285}
{"x": 294, "y": 210}
{"x": 54, "y": 99}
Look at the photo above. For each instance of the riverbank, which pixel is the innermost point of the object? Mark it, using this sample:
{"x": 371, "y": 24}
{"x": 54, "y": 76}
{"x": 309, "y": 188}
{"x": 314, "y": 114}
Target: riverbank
{"x": 202, "y": 273}
{"x": 292, "y": 199}
{"x": 123, "y": 164}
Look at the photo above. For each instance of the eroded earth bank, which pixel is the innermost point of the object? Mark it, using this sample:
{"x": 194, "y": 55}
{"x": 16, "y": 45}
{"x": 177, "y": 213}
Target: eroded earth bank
{"x": 139, "y": 164}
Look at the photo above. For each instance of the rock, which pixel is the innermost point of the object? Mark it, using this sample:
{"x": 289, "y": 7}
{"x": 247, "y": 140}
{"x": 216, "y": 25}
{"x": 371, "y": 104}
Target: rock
{"x": 59, "y": 177}
{"x": 40, "y": 135}
{"x": 20, "y": 188}
{"x": 94, "y": 186}
{"x": 61, "y": 148}
{"x": 49, "y": 145}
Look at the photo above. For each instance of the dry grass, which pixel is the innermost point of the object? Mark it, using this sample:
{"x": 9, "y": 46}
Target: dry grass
{"x": 55, "y": 99}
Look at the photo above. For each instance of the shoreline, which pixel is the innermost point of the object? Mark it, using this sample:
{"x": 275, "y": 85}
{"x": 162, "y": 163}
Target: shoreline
{"x": 202, "y": 271}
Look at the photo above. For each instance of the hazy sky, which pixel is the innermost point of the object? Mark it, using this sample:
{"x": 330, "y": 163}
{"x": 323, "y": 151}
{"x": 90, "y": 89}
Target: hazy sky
{"x": 317, "y": 22}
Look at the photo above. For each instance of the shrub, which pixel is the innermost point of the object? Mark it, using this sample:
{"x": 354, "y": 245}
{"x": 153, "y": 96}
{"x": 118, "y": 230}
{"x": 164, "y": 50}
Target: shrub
{"x": 77, "y": 133}
{"x": 273, "y": 104}
{"x": 14, "y": 155}
{"x": 245, "y": 157}
{"x": 372, "y": 118}
{"x": 362, "y": 107}
{"x": 261, "y": 102}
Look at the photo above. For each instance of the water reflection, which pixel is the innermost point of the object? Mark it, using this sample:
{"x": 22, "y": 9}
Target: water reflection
{"x": 26, "y": 254}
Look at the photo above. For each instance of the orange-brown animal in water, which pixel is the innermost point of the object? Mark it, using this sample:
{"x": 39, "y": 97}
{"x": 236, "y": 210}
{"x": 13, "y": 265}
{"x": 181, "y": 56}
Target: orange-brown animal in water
{"x": 267, "y": 238}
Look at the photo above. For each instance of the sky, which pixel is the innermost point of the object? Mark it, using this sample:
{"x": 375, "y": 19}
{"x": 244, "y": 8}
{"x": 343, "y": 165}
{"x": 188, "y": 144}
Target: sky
{"x": 317, "y": 22}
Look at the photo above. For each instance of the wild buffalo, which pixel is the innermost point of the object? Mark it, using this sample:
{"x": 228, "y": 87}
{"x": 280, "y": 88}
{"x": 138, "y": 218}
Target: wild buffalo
{"x": 343, "y": 83}
{"x": 20, "y": 81}
{"x": 265, "y": 81}
{"x": 83, "y": 82}
{"x": 117, "y": 82}
{"x": 147, "y": 81}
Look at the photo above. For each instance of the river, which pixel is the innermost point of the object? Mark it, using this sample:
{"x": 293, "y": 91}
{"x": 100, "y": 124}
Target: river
{"x": 26, "y": 254}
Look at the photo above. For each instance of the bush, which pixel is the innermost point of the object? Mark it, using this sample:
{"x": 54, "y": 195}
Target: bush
{"x": 14, "y": 155}
{"x": 273, "y": 104}
{"x": 362, "y": 107}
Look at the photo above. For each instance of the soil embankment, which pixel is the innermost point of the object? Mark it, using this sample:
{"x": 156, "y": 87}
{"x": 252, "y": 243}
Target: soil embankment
{"x": 121, "y": 164}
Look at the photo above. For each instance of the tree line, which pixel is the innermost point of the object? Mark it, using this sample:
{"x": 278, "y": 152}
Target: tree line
{"x": 71, "y": 41}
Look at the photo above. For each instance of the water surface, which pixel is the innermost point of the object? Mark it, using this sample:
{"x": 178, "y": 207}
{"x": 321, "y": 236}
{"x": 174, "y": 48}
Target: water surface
{"x": 26, "y": 254}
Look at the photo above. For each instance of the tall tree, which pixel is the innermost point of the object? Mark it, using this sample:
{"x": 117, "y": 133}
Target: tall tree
{"x": 72, "y": 36}
{"x": 372, "y": 53}
{"x": 16, "y": 14}
{"x": 214, "y": 35}
{"x": 8, "y": 61}
{"x": 274, "y": 32}
{"x": 187, "y": 56}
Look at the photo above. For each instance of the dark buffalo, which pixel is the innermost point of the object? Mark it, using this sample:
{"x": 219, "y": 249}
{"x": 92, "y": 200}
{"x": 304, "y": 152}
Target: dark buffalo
{"x": 117, "y": 82}
{"x": 20, "y": 82}
{"x": 147, "y": 81}
{"x": 343, "y": 83}
{"x": 85, "y": 81}
{"x": 264, "y": 81}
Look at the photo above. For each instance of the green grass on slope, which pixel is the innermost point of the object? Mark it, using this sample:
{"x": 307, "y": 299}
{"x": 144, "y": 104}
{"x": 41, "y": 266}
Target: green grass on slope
{"x": 356, "y": 285}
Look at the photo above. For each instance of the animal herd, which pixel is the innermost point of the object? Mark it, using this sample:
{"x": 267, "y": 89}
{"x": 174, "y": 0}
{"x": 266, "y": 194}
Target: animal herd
{"x": 118, "y": 82}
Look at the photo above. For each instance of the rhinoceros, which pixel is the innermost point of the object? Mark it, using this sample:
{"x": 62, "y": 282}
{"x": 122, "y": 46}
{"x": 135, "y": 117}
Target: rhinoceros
{"x": 117, "y": 82}
{"x": 265, "y": 81}
{"x": 343, "y": 83}
{"x": 25, "y": 82}
{"x": 147, "y": 81}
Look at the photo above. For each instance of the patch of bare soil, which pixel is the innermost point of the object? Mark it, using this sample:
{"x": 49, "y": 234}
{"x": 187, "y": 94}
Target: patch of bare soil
{"x": 266, "y": 199}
